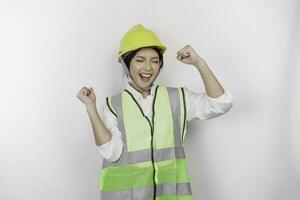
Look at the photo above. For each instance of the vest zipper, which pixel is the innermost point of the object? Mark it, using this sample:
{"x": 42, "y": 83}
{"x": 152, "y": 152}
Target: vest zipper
{"x": 152, "y": 131}
{"x": 152, "y": 156}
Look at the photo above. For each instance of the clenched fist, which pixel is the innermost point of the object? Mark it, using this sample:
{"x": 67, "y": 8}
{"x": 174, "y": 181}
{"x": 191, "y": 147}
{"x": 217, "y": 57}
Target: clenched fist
{"x": 87, "y": 96}
{"x": 188, "y": 55}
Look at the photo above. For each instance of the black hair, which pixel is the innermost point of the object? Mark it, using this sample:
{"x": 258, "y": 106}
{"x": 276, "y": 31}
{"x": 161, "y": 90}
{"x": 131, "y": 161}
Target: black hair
{"x": 128, "y": 56}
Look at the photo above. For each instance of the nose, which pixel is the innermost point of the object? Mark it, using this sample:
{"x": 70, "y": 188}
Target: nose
{"x": 148, "y": 66}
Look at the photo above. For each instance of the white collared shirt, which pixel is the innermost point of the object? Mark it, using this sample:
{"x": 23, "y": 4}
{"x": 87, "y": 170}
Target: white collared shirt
{"x": 198, "y": 106}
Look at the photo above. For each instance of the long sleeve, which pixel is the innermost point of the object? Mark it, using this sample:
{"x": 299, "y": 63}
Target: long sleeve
{"x": 111, "y": 150}
{"x": 201, "y": 106}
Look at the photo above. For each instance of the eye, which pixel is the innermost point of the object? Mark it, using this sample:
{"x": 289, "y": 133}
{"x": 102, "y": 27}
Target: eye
{"x": 139, "y": 60}
{"x": 156, "y": 61}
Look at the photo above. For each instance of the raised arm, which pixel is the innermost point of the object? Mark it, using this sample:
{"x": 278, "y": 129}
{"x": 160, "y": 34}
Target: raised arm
{"x": 101, "y": 133}
{"x": 188, "y": 55}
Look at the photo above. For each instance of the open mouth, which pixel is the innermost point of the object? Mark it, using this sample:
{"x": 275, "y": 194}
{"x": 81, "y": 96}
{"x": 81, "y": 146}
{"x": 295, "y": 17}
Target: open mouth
{"x": 145, "y": 77}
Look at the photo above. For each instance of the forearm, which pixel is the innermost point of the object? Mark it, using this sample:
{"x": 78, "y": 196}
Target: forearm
{"x": 212, "y": 86}
{"x": 101, "y": 133}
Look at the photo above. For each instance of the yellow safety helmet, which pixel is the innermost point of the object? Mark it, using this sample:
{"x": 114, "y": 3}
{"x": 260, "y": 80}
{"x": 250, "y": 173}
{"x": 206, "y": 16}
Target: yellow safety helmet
{"x": 138, "y": 36}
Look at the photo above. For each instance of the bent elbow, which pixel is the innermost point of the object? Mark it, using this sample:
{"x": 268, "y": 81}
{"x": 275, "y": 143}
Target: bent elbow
{"x": 216, "y": 111}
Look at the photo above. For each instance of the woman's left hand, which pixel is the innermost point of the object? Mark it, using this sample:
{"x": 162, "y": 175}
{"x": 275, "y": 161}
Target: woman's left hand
{"x": 188, "y": 55}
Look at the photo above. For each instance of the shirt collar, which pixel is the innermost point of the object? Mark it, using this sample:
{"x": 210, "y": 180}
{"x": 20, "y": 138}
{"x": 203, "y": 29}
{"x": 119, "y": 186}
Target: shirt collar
{"x": 137, "y": 94}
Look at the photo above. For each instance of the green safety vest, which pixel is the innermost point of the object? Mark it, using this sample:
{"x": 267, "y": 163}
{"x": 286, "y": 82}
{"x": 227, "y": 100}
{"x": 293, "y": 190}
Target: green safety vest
{"x": 153, "y": 164}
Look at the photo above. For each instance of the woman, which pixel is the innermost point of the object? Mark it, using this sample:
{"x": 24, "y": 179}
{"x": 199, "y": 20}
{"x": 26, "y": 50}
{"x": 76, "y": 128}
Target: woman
{"x": 144, "y": 126}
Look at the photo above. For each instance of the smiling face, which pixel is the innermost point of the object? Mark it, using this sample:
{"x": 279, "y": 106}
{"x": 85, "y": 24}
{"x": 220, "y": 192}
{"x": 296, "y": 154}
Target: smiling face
{"x": 144, "y": 68}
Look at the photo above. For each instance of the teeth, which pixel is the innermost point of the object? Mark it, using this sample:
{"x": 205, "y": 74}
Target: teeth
{"x": 145, "y": 75}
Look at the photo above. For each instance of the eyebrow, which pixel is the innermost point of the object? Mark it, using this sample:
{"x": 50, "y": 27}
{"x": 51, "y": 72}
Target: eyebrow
{"x": 144, "y": 57}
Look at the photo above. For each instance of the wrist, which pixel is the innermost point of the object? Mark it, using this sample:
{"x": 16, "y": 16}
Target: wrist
{"x": 200, "y": 63}
{"x": 91, "y": 107}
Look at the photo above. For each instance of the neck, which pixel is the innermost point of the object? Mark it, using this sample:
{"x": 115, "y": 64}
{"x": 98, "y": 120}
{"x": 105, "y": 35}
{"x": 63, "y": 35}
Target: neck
{"x": 143, "y": 93}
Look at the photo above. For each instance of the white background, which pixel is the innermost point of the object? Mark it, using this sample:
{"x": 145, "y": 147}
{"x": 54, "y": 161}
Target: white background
{"x": 50, "y": 49}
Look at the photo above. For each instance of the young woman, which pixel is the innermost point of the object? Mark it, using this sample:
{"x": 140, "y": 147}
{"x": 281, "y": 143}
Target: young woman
{"x": 144, "y": 126}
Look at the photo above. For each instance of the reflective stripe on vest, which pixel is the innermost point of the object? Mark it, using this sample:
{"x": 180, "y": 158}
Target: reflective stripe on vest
{"x": 153, "y": 162}
{"x": 181, "y": 191}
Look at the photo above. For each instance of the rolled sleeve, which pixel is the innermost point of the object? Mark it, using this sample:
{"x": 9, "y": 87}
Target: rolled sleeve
{"x": 201, "y": 106}
{"x": 112, "y": 149}
{"x": 221, "y": 104}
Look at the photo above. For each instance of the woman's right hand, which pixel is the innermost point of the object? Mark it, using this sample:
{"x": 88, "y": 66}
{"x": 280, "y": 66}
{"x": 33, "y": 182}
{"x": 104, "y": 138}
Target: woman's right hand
{"x": 87, "y": 96}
